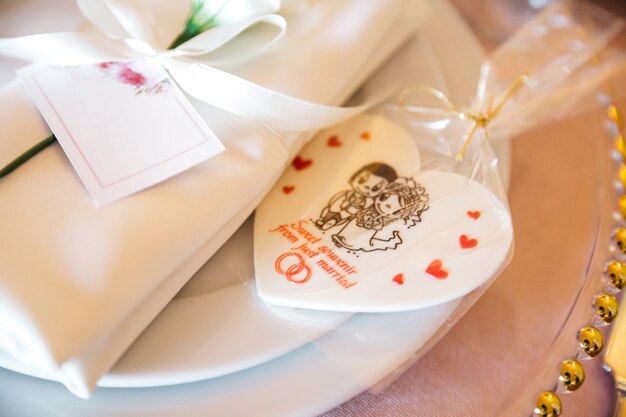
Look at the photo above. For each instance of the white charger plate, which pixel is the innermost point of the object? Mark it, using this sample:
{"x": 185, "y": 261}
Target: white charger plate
{"x": 306, "y": 381}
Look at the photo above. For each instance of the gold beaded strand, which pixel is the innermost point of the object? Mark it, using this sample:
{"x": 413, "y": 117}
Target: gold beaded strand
{"x": 548, "y": 405}
{"x": 590, "y": 339}
{"x": 572, "y": 374}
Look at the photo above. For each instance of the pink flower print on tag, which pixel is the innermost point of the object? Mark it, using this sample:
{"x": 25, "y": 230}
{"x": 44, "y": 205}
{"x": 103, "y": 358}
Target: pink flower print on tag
{"x": 107, "y": 65}
{"x": 127, "y": 73}
{"x": 128, "y": 76}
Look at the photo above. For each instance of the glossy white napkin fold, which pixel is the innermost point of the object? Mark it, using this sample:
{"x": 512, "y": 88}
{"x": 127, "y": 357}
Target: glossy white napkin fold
{"x": 78, "y": 284}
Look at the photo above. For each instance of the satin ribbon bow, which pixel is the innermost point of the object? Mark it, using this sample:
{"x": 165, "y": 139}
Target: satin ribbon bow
{"x": 124, "y": 35}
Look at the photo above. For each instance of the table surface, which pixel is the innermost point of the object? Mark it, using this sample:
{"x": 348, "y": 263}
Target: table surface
{"x": 488, "y": 357}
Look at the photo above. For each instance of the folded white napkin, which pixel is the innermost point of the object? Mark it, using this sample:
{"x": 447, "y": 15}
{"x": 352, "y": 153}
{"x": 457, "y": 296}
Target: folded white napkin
{"x": 78, "y": 283}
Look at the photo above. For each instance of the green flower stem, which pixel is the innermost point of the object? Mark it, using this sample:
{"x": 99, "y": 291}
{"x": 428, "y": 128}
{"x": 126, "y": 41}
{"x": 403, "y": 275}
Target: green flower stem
{"x": 20, "y": 160}
{"x": 191, "y": 30}
{"x": 13, "y": 165}
{"x": 185, "y": 35}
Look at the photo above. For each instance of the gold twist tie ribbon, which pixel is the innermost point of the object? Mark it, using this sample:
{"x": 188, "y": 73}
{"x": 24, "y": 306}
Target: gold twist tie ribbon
{"x": 480, "y": 119}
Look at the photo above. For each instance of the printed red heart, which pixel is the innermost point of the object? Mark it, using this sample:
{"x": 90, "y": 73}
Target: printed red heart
{"x": 288, "y": 188}
{"x": 334, "y": 142}
{"x": 398, "y": 279}
{"x": 474, "y": 214}
{"x": 435, "y": 269}
{"x": 466, "y": 242}
{"x": 299, "y": 164}
{"x": 365, "y": 135}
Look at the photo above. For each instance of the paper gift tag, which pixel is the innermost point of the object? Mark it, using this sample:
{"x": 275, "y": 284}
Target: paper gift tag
{"x": 355, "y": 225}
{"x": 124, "y": 125}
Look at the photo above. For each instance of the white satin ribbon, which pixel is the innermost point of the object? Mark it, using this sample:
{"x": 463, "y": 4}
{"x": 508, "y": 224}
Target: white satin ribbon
{"x": 191, "y": 64}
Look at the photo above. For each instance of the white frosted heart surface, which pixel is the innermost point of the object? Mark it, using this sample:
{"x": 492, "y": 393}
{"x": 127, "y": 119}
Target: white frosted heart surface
{"x": 354, "y": 225}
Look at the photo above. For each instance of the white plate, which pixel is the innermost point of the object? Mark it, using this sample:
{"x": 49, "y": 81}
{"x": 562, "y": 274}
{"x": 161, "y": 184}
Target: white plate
{"x": 306, "y": 381}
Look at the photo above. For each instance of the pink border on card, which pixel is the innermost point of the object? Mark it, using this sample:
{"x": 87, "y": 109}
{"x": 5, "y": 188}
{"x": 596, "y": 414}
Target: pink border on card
{"x": 82, "y": 154}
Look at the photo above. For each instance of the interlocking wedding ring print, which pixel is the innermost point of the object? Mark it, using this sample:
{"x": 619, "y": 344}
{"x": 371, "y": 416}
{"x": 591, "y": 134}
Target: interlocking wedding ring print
{"x": 294, "y": 270}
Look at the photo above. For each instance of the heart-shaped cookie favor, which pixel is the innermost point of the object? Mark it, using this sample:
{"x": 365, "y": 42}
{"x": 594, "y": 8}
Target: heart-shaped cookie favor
{"x": 363, "y": 229}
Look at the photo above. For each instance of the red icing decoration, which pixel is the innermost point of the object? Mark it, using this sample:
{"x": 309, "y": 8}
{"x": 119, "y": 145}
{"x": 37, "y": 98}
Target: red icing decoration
{"x": 398, "y": 279}
{"x": 466, "y": 242}
{"x": 474, "y": 214}
{"x": 365, "y": 135}
{"x": 334, "y": 141}
{"x": 288, "y": 188}
{"x": 299, "y": 164}
{"x": 435, "y": 269}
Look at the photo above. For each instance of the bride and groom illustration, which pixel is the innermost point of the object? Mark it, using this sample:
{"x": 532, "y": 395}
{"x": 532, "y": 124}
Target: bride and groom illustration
{"x": 369, "y": 210}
